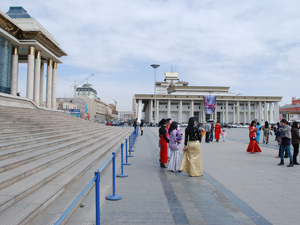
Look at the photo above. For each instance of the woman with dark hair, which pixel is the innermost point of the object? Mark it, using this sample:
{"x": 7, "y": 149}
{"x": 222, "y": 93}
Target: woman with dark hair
{"x": 266, "y": 129}
{"x": 253, "y": 146}
{"x": 285, "y": 135}
{"x": 295, "y": 141}
{"x": 163, "y": 143}
{"x": 174, "y": 146}
{"x": 191, "y": 161}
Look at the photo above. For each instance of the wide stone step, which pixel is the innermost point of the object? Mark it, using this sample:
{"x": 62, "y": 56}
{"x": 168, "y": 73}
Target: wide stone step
{"x": 39, "y": 199}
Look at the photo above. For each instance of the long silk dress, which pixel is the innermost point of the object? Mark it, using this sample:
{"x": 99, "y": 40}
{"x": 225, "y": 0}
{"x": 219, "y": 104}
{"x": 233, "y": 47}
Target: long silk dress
{"x": 217, "y": 131}
{"x": 163, "y": 145}
{"x": 191, "y": 160}
{"x": 253, "y": 146}
{"x": 174, "y": 163}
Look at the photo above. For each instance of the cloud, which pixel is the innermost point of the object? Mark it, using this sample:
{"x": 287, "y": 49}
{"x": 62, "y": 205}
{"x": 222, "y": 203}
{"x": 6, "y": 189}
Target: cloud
{"x": 251, "y": 46}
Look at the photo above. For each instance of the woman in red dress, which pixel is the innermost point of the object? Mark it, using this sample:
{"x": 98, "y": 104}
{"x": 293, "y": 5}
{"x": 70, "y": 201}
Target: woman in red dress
{"x": 253, "y": 146}
{"x": 217, "y": 132}
{"x": 163, "y": 143}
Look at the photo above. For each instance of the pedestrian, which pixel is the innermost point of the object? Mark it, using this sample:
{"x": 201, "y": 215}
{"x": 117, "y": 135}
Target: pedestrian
{"x": 295, "y": 141}
{"x": 223, "y": 134}
{"x": 169, "y": 122}
{"x": 163, "y": 143}
{"x": 191, "y": 160}
{"x": 217, "y": 132}
{"x": 207, "y": 128}
{"x": 174, "y": 142}
{"x": 211, "y": 139}
{"x": 135, "y": 124}
{"x": 142, "y": 127}
{"x": 266, "y": 129}
{"x": 285, "y": 135}
{"x": 258, "y": 132}
{"x": 253, "y": 146}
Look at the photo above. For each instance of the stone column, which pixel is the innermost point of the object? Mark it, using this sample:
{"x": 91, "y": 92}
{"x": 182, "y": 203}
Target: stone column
{"x": 203, "y": 112}
{"x": 276, "y": 112}
{"x": 249, "y": 112}
{"x": 244, "y": 122}
{"x": 151, "y": 111}
{"x": 238, "y": 112}
{"x": 234, "y": 115}
{"x": 14, "y": 72}
{"x": 157, "y": 111}
{"x": 54, "y": 82}
{"x": 30, "y": 73}
{"x": 260, "y": 112}
{"x": 223, "y": 113}
{"x": 180, "y": 112}
{"x": 139, "y": 117}
{"x": 49, "y": 84}
{"x": 41, "y": 97}
{"x": 266, "y": 111}
{"x": 216, "y": 113}
{"x": 226, "y": 112}
{"x": 37, "y": 75}
{"x": 271, "y": 112}
{"x": 192, "y": 108}
{"x": 169, "y": 109}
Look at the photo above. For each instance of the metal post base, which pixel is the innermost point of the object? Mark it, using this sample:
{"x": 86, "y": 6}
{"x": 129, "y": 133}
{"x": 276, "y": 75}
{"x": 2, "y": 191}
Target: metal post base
{"x": 114, "y": 197}
{"x": 130, "y": 156}
{"x": 127, "y": 164}
{"x": 122, "y": 175}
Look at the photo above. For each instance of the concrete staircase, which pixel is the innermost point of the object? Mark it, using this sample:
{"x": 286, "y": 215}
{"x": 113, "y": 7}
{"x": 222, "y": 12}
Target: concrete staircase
{"x": 45, "y": 155}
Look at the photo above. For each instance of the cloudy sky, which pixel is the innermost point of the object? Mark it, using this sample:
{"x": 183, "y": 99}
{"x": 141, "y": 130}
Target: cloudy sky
{"x": 251, "y": 46}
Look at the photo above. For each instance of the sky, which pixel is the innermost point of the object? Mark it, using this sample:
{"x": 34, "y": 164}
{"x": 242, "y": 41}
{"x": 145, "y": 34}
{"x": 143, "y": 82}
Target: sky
{"x": 253, "y": 47}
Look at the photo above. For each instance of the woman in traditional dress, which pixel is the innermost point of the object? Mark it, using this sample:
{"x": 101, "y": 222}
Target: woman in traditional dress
{"x": 258, "y": 132}
{"x": 174, "y": 146}
{"x": 191, "y": 161}
{"x": 217, "y": 132}
{"x": 295, "y": 141}
{"x": 266, "y": 129}
{"x": 253, "y": 146}
{"x": 163, "y": 143}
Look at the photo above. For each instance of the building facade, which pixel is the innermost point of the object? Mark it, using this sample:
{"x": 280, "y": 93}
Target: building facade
{"x": 24, "y": 40}
{"x": 291, "y": 112}
{"x": 177, "y": 100}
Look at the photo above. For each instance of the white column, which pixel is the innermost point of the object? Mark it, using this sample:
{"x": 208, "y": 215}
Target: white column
{"x": 157, "y": 111}
{"x": 216, "y": 111}
{"x": 180, "y": 112}
{"x": 30, "y": 73}
{"x": 234, "y": 115}
{"x": 238, "y": 112}
{"x": 260, "y": 112}
{"x": 169, "y": 109}
{"x": 14, "y": 72}
{"x": 139, "y": 117}
{"x": 266, "y": 108}
{"x": 54, "y": 82}
{"x": 192, "y": 108}
{"x": 203, "y": 112}
{"x": 249, "y": 112}
{"x": 151, "y": 111}
{"x": 37, "y": 75}
{"x": 226, "y": 112}
{"x": 245, "y": 106}
{"x": 49, "y": 84}
{"x": 41, "y": 97}
{"x": 276, "y": 112}
{"x": 271, "y": 112}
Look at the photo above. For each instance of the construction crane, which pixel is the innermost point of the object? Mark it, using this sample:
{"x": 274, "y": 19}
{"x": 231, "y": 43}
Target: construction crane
{"x": 86, "y": 79}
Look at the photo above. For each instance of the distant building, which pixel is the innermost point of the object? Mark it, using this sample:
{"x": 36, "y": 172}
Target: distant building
{"x": 291, "y": 112}
{"x": 126, "y": 115}
{"x": 86, "y": 89}
{"x": 177, "y": 100}
{"x": 71, "y": 103}
{"x": 24, "y": 40}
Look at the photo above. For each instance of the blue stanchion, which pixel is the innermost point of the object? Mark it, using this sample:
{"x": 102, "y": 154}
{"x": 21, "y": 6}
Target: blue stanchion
{"x": 97, "y": 194}
{"x": 130, "y": 146}
{"x": 126, "y": 163}
{"x": 122, "y": 163}
{"x": 114, "y": 197}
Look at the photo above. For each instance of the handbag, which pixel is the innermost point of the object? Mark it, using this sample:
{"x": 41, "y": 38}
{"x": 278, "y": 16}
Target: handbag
{"x": 252, "y": 138}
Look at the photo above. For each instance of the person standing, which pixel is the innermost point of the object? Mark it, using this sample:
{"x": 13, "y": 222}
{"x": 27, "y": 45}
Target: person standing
{"x": 295, "y": 141}
{"x": 285, "y": 135}
{"x": 266, "y": 129}
{"x": 253, "y": 146}
{"x": 207, "y": 128}
{"x": 191, "y": 161}
{"x": 168, "y": 122}
{"x": 211, "y": 138}
{"x": 174, "y": 146}
{"x": 142, "y": 127}
{"x": 217, "y": 132}
{"x": 258, "y": 132}
{"x": 163, "y": 143}
{"x": 135, "y": 124}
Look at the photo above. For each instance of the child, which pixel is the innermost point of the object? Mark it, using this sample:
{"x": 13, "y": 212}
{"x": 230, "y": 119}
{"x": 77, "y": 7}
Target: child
{"x": 223, "y": 134}
{"x": 178, "y": 135}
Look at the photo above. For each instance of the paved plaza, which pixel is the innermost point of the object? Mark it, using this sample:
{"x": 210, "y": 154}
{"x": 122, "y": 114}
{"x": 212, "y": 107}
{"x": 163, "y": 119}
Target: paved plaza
{"x": 237, "y": 187}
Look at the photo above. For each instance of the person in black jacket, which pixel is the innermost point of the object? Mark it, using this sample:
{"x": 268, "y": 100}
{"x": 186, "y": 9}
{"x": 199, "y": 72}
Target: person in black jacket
{"x": 163, "y": 143}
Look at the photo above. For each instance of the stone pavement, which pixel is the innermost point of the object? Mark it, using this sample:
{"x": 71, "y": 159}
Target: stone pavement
{"x": 237, "y": 187}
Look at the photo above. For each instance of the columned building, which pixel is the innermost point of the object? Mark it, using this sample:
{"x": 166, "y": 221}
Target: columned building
{"x": 24, "y": 40}
{"x": 177, "y": 100}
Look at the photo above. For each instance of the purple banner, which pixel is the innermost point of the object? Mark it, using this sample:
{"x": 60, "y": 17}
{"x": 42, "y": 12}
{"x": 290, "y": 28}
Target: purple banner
{"x": 210, "y": 103}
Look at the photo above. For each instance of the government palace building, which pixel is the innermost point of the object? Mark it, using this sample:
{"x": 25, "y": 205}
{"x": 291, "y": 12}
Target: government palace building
{"x": 177, "y": 100}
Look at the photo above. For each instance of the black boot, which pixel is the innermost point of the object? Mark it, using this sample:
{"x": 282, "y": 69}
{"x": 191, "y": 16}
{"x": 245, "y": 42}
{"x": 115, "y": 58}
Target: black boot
{"x": 162, "y": 165}
{"x": 281, "y": 163}
{"x": 291, "y": 164}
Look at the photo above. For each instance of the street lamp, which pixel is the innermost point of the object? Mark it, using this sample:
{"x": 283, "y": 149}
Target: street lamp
{"x": 155, "y": 66}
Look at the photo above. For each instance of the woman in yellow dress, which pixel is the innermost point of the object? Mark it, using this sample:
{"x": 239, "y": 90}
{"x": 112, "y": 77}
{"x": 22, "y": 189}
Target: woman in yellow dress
{"x": 191, "y": 161}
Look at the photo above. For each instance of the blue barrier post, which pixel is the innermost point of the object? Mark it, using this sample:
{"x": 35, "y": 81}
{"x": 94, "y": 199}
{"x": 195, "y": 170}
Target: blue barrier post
{"x": 97, "y": 190}
{"x": 132, "y": 142}
{"x": 122, "y": 162}
{"x": 114, "y": 197}
{"x": 130, "y": 146}
{"x": 127, "y": 163}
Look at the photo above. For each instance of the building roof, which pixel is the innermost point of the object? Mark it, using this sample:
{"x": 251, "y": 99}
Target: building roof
{"x": 17, "y": 12}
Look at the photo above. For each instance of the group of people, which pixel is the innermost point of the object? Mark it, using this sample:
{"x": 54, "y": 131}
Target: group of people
{"x": 214, "y": 131}
{"x": 285, "y": 136}
{"x": 170, "y": 138}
